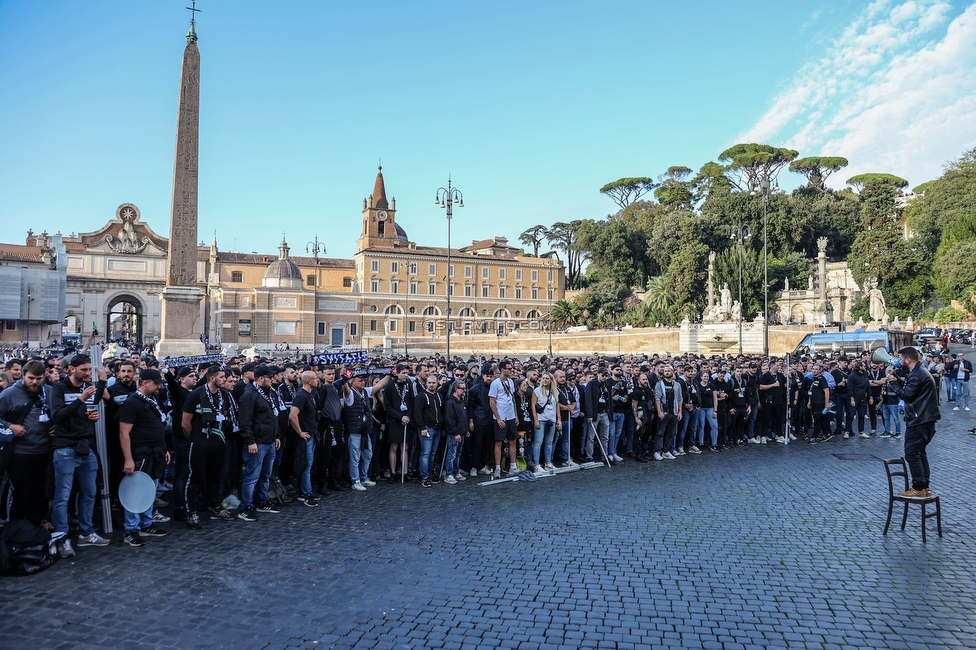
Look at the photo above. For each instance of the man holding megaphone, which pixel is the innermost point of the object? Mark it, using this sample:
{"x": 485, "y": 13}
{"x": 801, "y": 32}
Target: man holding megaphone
{"x": 921, "y": 399}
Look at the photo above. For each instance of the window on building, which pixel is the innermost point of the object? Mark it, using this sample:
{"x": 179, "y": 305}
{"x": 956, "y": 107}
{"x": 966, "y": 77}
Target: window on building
{"x": 450, "y": 271}
{"x": 501, "y": 274}
{"x": 468, "y": 290}
{"x": 548, "y": 294}
{"x": 413, "y": 326}
{"x": 381, "y": 228}
{"x": 10, "y": 325}
{"x": 550, "y": 275}
{"x": 468, "y": 271}
{"x": 412, "y": 268}
{"x": 353, "y": 329}
{"x": 393, "y": 325}
{"x": 394, "y": 267}
{"x": 518, "y": 275}
{"x": 535, "y": 275}
{"x": 245, "y": 301}
{"x": 431, "y": 288}
{"x": 450, "y": 289}
{"x": 518, "y": 293}
{"x": 485, "y": 273}
{"x": 413, "y": 287}
{"x": 321, "y": 328}
{"x": 237, "y": 276}
{"x": 431, "y": 269}
{"x": 502, "y": 292}
{"x": 374, "y": 286}
{"x": 374, "y": 266}
{"x": 372, "y": 326}
{"x": 485, "y": 290}
{"x": 310, "y": 280}
{"x": 429, "y": 326}
{"x": 394, "y": 286}
{"x": 535, "y": 293}
{"x": 346, "y": 283}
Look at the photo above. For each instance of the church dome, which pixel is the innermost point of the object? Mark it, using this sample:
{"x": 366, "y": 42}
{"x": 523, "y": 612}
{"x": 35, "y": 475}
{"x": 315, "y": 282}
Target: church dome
{"x": 401, "y": 233}
{"x": 283, "y": 272}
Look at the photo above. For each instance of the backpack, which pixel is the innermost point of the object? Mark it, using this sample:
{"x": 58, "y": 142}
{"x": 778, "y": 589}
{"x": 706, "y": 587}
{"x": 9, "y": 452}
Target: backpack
{"x": 25, "y": 549}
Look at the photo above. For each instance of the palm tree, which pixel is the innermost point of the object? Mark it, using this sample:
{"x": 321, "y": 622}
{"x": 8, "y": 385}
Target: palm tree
{"x": 658, "y": 296}
{"x": 561, "y": 314}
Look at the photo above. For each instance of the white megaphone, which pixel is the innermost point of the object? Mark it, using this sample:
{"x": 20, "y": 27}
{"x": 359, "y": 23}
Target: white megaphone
{"x": 880, "y": 355}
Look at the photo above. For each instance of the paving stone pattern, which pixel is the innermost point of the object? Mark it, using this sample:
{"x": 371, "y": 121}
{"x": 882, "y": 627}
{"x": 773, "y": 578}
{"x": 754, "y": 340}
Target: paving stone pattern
{"x": 758, "y": 547}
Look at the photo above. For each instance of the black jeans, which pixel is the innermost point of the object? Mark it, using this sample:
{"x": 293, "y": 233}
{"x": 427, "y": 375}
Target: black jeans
{"x": 181, "y": 456}
{"x": 917, "y": 436}
{"x": 29, "y": 475}
{"x": 206, "y": 464}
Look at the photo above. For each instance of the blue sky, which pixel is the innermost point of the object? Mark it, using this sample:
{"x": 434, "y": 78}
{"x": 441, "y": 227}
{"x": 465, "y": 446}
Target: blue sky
{"x": 530, "y": 107}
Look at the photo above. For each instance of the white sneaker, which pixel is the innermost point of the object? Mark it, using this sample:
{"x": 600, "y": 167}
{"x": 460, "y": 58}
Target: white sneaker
{"x": 617, "y": 458}
{"x": 781, "y": 439}
{"x": 450, "y": 480}
{"x": 846, "y": 435}
{"x": 967, "y": 408}
{"x": 667, "y": 456}
{"x": 460, "y": 477}
{"x": 678, "y": 452}
{"x": 571, "y": 463}
{"x": 753, "y": 441}
{"x": 369, "y": 483}
{"x": 484, "y": 471}
{"x": 658, "y": 456}
{"x": 539, "y": 470}
{"x": 764, "y": 440}
{"x": 955, "y": 408}
{"x": 92, "y": 540}
{"x": 694, "y": 450}
{"x": 473, "y": 473}
{"x": 498, "y": 473}
{"x": 792, "y": 437}
{"x": 358, "y": 487}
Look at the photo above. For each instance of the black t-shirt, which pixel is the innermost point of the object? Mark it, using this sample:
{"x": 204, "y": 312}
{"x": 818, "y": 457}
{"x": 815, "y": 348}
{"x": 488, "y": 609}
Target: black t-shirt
{"x": 840, "y": 377}
{"x": 816, "y": 392}
{"x": 146, "y": 419}
{"x": 202, "y": 403}
{"x": 308, "y": 410}
{"x": 773, "y": 395}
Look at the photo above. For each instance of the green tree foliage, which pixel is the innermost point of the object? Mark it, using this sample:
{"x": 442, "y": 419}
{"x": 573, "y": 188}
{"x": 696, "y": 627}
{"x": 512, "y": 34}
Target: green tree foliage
{"x": 755, "y": 163}
{"x": 941, "y": 203}
{"x": 861, "y": 181}
{"x": 711, "y": 182}
{"x": 658, "y": 295}
{"x": 727, "y": 271}
{"x": 618, "y": 245}
{"x": 561, "y": 314}
{"x": 625, "y": 191}
{"x": 674, "y": 192}
{"x": 534, "y": 237}
{"x": 816, "y": 169}
{"x": 950, "y": 315}
{"x": 955, "y": 270}
{"x": 563, "y": 236}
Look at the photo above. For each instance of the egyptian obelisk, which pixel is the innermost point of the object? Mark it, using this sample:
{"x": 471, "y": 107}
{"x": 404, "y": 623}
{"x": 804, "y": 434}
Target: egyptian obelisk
{"x": 181, "y": 319}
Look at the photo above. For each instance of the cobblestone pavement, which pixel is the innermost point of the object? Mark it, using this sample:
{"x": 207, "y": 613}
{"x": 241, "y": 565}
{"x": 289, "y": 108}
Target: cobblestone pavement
{"x": 761, "y": 546}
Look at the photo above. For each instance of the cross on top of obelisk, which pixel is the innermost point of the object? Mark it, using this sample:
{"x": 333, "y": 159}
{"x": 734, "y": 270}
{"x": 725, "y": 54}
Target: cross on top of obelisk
{"x": 191, "y": 36}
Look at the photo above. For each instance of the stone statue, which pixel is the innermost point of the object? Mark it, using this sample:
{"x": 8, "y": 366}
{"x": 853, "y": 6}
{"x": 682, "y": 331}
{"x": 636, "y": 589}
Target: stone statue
{"x": 786, "y": 286}
{"x": 810, "y": 282}
{"x": 822, "y": 245}
{"x": 726, "y": 301}
{"x": 736, "y": 311}
{"x": 910, "y": 324}
{"x": 877, "y": 307}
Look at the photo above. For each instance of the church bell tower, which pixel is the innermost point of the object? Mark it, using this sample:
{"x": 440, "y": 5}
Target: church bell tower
{"x": 379, "y": 219}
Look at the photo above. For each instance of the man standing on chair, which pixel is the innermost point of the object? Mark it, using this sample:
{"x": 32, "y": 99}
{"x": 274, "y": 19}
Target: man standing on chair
{"x": 921, "y": 399}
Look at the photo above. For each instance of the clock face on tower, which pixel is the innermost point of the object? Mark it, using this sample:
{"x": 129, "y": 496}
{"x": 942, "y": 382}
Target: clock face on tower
{"x": 381, "y": 215}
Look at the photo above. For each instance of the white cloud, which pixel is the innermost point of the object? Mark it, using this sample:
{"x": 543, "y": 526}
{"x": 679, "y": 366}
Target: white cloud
{"x": 896, "y": 92}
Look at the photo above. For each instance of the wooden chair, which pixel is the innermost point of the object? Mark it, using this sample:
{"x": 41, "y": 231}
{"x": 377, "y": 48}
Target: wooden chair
{"x": 896, "y": 467}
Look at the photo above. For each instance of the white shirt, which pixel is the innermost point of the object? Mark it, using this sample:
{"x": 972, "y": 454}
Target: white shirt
{"x": 504, "y": 397}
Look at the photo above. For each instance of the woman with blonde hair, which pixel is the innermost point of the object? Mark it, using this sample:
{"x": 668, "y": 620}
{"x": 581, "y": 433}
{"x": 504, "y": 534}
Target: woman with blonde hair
{"x": 546, "y": 417}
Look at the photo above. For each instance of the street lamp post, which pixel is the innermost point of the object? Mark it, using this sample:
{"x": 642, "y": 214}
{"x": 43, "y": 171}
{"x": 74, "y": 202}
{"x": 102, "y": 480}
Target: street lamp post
{"x": 446, "y": 197}
{"x": 406, "y": 311}
{"x": 550, "y": 292}
{"x": 316, "y": 248}
{"x": 764, "y": 190}
{"x": 30, "y": 299}
{"x": 739, "y": 234}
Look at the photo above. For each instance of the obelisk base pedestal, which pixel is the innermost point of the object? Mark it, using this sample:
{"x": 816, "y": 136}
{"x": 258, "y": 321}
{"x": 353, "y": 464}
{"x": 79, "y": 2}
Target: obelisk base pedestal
{"x": 180, "y": 323}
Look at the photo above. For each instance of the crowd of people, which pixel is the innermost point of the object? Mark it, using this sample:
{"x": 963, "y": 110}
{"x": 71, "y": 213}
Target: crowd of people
{"x": 235, "y": 440}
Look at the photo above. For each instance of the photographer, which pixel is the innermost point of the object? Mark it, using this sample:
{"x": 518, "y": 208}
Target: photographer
{"x": 921, "y": 399}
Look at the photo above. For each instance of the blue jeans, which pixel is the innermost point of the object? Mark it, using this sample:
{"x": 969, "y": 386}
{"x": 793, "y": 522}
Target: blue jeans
{"x": 860, "y": 410}
{"x": 428, "y": 446}
{"x": 890, "y": 412}
{"x": 599, "y": 427}
{"x": 950, "y": 384}
{"x": 360, "y": 456}
{"x": 564, "y": 435}
{"x": 630, "y": 427}
{"x": 452, "y": 463}
{"x": 842, "y": 404}
{"x": 712, "y": 420}
{"x": 257, "y": 471}
{"x": 696, "y": 427}
{"x": 962, "y": 394}
{"x": 67, "y": 467}
{"x": 139, "y": 520}
{"x": 751, "y": 425}
{"x": 545, "y": 433}
{"x": 616, "y": 428}
{"x": 680, "y": 430}
{"x": 306, "y": 478}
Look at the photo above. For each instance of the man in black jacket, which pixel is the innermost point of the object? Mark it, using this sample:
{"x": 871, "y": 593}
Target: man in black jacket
{"x": 456, "y": 429}
{"x": 74, "y": 413}
{"x": 258, "y": 419}
{"x": 921, "y": 399}
{"x": 24, "y": 412}
{"x": 476, "y": 455}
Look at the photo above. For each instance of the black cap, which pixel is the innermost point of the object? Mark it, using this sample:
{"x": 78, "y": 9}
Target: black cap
{"x": 248, "y": 367}
{"x": 150, "y": 374}
{"x": 184, "y": 371}
{"x": 262, "y": 371}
